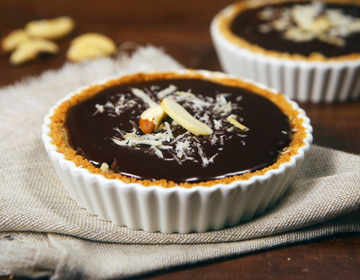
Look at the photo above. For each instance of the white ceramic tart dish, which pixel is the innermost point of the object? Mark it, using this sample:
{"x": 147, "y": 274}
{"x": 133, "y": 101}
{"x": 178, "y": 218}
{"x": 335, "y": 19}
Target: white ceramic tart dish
{"x": 157, "y": 205}
{"x": 311, "y": 78}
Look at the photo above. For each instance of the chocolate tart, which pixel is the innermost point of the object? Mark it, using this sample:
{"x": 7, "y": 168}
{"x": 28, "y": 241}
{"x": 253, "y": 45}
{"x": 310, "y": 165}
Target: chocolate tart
{"x": 307, "y": 50}
{"x": 174, "y": 178}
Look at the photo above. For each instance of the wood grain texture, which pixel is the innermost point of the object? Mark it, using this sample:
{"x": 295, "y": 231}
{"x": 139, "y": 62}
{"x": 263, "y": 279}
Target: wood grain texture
{"x": 182, "y": 29}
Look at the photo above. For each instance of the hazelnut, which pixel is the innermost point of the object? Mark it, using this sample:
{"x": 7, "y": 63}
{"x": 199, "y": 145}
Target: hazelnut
{"x": 151, "y": 118}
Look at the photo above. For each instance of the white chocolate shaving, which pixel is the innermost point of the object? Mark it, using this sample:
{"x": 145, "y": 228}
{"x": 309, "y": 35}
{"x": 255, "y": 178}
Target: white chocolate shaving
{"x": 301, "y": 23}
{"x": 165, "y": 92}
{"x": 162, "y": 142}
{"x": 146, "y": 98}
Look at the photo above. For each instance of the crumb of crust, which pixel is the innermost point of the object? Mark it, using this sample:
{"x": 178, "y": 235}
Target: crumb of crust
{"x": 226, "y": 20}
{"x": 58, "y": 131}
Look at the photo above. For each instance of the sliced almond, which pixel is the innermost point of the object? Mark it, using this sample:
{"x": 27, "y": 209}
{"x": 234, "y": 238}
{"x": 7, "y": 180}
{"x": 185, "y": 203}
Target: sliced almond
{"x": 304, "y": 16}
{"x": 321, "y": 25}
{"x": 231, "y": 119}
{"x": 30, "y": 49}
{"x": 332, "y": 40}
{"x": 50, "y": 28}
{"x": 298, "y": 35}
{"x": 11, "y": 41}
{"x": 151, "y": 118}
{"x": 182, "y": 117}
{"x": 281, "y": 24}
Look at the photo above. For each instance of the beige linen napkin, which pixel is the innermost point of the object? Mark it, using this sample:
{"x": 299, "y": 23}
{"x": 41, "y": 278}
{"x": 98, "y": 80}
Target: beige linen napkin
{"x": 44, "y": 233}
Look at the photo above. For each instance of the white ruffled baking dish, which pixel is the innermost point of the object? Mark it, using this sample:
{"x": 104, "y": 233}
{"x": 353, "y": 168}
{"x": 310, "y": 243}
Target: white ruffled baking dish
{"x": 301, "y": 80}
{"x": 176, "y": 209}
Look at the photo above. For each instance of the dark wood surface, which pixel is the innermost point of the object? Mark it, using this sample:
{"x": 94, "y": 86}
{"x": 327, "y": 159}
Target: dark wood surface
{"x": 182, "y": 29}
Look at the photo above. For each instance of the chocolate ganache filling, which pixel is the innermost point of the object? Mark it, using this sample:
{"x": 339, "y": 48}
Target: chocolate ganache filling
{"x": 104, "y": 129}
{"x": 302, "y": 28}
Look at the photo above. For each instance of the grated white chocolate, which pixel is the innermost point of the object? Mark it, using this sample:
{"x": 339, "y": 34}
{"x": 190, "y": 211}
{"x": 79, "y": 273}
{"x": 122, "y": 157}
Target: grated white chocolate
{"x": 213, "y": 112}
{"x": 301, "y": 23}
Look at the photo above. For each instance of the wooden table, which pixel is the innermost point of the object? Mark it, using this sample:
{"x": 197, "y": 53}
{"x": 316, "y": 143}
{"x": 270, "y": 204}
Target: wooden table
{"x": 182, "y": 28}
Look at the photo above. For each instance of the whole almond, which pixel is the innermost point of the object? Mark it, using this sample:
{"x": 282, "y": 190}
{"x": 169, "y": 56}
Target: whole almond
{"x": 30, "y": 49}
{"x": 89, "y": 46}
{"x": 11, "y": 41}
{"x": 50, "y": 28}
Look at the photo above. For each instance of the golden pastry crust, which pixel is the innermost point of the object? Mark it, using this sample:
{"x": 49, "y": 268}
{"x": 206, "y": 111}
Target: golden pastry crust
{"x": 58, "y": 131}
{"x": 225, "y": 19}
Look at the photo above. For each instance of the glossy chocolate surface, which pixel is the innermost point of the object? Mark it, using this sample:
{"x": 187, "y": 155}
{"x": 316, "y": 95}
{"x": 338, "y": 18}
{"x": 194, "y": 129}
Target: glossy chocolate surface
{"x": 269, "y": 132}
{"x": 245, "y": 25}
